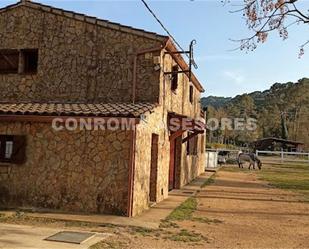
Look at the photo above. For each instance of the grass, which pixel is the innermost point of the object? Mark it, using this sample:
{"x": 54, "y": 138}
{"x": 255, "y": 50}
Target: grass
{"x": 23, "y": 218}
{"x": 184, "y": 211}
{"x": 291, "y": 177}
{"x": 109, "y": 245}
{"x": 143, "y": 231}
{"x": 235, "y": 168}
{"x": 206, "y": 220}
{"x": 187, "y": 236}
{"x": 168, "y": 224}
{"x": 209, "y": 181}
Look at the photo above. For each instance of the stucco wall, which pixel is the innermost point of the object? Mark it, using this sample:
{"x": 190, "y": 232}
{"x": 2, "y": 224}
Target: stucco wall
{"x": 75, "y": 171}
{"x": 78, "y": 61}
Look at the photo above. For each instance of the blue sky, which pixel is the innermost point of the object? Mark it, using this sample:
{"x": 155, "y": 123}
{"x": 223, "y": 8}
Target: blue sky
{"x": 222, "y": 72}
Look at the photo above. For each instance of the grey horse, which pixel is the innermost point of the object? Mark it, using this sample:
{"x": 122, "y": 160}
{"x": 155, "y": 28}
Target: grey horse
{"x": 249, "y": 157}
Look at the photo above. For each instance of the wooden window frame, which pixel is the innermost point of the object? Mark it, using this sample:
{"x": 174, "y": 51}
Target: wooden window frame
{"x": 4, "y": 53}
{"x": 192, "y": 146}
{"x": 18, "y": 155}
{"x": 174, "y": 80}
{"x": 23, "y": 59}
{"x": 25, "y": 55}
{"x": 191, "y": 94}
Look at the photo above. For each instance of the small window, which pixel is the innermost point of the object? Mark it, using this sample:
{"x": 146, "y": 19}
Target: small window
{"x": 174, "y": 83}
{"x": 191, "y": 94}
{"x": 30, "y": 61}
{"x": 9, "y": 60}
{"x": 12, "y": 149}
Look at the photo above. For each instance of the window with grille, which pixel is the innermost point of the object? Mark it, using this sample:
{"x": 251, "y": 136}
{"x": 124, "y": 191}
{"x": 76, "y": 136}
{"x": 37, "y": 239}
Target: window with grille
{"x": 12, "y": 149}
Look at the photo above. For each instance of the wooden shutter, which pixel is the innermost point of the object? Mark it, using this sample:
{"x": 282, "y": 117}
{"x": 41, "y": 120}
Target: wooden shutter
{"x": 9, "y": 61}
{"x": 19, "y": 150}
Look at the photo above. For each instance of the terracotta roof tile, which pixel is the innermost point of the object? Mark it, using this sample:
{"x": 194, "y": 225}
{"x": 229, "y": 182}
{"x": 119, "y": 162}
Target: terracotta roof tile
{"x": 101, "y": 110}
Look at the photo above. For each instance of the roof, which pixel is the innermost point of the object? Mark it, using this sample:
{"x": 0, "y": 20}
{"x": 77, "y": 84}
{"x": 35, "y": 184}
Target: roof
{"x": 88, "y": 19}
{"x": 166, "y": 40}
{"x": 99, "y": 110}
{"x": 278, "y": 140}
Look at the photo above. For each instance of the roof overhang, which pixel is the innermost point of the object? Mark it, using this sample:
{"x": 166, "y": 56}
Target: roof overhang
{"x": 178, "y": 124}
{"x": 278, "y": 140}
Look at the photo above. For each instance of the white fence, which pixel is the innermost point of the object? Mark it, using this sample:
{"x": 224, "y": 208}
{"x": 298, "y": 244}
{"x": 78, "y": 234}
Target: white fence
{"x": 282, "y": 156}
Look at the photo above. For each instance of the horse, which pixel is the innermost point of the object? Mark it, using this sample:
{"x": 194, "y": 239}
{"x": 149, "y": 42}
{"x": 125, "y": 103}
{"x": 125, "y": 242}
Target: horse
{"x": 249, "y": 157}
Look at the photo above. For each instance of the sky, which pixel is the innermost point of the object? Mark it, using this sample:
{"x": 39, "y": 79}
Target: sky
{"x": 221, "y": 71}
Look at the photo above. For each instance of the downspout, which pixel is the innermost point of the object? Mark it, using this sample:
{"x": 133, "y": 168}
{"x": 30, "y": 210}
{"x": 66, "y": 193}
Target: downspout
{"x": 137, "y": 54}
{"x": 131, "y": 173}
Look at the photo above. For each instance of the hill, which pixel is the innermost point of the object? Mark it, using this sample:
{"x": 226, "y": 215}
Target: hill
{"x": 281, "y": 111}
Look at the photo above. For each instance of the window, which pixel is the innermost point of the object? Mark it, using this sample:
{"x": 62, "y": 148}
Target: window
{"x": 12, "y": 149}
{"x": 9, "y": 60}
{"x": 192, "y": 145}
{"x": 30, "y": 61}
{"x": 191, "y": 94}
{"x": 13, "y": 61}
{"x": 174, "y": 83}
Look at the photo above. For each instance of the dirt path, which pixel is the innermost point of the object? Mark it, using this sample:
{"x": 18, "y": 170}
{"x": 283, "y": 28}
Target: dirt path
{"x": 236, "y": 211}
{"x": 254, "y": 215}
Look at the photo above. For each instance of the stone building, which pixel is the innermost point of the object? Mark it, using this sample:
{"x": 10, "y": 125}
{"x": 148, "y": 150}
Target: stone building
{"x": 58, "y": 66}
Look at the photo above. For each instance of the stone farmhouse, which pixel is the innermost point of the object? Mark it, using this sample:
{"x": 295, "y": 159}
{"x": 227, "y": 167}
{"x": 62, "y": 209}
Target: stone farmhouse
{"x": 64, "y": 66}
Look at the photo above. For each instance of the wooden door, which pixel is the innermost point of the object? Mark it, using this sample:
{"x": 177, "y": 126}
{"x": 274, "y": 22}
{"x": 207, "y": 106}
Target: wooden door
{"x": 153, "y": 168}
{"x": 171, "y": 184}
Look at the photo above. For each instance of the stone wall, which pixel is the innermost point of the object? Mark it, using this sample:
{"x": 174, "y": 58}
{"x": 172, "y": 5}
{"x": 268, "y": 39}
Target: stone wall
{"x": 81, "y": 62}
{"x": 72, "y": 171}
{"x": 155, "y": 123}
{"x": 78, "y": 61}
{"x": 178, "y": 102}
{"x": 191, "y": 166}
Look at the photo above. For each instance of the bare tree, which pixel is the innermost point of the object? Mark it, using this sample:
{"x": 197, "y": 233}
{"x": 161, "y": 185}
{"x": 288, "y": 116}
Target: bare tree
{"x": 265, "y": 16}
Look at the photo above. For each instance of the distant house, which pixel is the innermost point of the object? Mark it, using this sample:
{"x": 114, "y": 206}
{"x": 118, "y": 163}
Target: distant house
{"x": 277, "y": 144}
{"x": 60, "y": 64}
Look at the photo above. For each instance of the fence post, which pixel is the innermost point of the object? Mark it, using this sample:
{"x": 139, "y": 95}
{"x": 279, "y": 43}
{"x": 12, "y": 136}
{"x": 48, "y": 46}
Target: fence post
{"x": 257, "y": 153}
{"x": 282, "y": 159}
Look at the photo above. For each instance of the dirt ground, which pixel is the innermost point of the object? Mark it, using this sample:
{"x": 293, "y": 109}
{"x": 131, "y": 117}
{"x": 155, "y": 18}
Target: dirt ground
{"x": 254, "y": 214}
{"x": 244, "y": 212}
{"x": 235, "y": 211}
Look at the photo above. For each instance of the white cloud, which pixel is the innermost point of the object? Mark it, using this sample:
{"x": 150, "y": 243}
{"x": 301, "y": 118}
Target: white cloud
{"x": 236, "y": 76}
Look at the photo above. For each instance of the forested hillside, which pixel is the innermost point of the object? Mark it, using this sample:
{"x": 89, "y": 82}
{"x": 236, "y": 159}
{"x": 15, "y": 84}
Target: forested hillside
{"x": 282, "y": 111}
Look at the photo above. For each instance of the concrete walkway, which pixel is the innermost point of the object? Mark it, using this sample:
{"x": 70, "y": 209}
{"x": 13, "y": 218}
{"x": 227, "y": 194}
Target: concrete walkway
{"x": 30, "y": 237}
{"x": 150, "y": 218}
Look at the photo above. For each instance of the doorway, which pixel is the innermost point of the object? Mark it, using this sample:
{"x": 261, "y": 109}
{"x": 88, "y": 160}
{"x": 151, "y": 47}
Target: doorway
{"x": 153, "y": 168}
{"x": 175, "y": 163}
